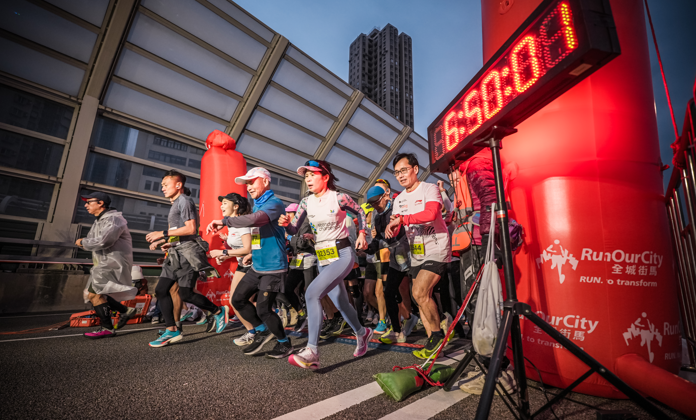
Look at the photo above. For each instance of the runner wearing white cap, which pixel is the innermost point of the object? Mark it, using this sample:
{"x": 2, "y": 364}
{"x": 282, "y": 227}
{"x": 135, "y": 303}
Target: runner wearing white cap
{"x": 326, "y": 209}
{"x": 266, "y": 278}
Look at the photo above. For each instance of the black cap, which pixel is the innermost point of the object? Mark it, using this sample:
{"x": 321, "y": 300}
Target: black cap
{"x": 99, "y": 196}
{"x": 228, "y": 197}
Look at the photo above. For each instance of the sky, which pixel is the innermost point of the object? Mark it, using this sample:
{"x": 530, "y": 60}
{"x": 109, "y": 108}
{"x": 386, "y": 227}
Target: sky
{"x": 447, "y": 49}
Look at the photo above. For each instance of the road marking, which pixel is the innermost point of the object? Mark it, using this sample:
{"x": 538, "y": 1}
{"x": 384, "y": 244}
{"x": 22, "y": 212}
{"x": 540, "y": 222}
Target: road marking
{"x": 334, "y": 404}
{"x": 427, "y": 407}
{"x": 74, "y": 335}
{"x": 33, "y": 316}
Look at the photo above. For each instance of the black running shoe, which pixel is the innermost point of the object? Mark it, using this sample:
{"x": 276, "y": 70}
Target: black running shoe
{"x": 326, "y": 324}
{"x": 281, "y": 350}
{"x": 336, "y": 329}
{"x": 211, "y": 325}
{"x": 301, "y": 320}
{"x": 260, "y": 339}
{"x": 124, "y": 317}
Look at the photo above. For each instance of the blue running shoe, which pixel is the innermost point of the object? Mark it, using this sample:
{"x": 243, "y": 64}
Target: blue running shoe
{"x": 222, "y": 319}
{"x": 167, "y": 338}
{"x": 381, "y": 327}
{"x": 186, "y": 316}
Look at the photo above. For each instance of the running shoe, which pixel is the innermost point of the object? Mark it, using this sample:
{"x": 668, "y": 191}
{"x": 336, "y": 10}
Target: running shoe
{"x": 210, "y": 327}
{"x": 370, "y": 316}
{"x": 283, "y": 314}
{"x": 260, "y": 339}
{"x": 337, "y": 329}
{"x": 301, "y": 323}
{"x": 363, "y": 343}
{"x": 326, "y": 325}
{"x": 186, "y": 316}
{"x": 445, "y": 322}
{"x": 305, "y": 359}
{"x": 409, "y": 324}
{"x": 234, "y": 319}
{"x": 381, "y": 327}
{"x": 167, "y": 338}
{"x": 155, "y": 320}
{"x": 124, "y": 317}
{"x": 282, "y": 349}
{"x": 294, "y": 317}
{"x": 431, "y": 346}
{"x": 245, "y": 339}
{"x": 391, "y": 337}
{"x": 203, "y": 320}
{"x": 222, "y": 319}
{"x": 100, "y": 333}
{"x": 475, "y": 380}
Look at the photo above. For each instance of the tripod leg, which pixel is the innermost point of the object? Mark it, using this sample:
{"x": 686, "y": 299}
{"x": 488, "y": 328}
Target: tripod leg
{"x": 484, "y": 406}
{"x": 460, "y": 369}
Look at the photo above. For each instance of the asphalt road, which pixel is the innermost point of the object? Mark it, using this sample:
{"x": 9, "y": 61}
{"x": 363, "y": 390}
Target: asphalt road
{"x": 62, "y": 375}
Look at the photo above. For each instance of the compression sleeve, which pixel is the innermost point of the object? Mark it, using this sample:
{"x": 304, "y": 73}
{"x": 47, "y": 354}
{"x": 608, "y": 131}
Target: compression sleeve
{"x": 346, "y": 203}
{"x": 255, "y": 219}
{"x": 432, "y": 209}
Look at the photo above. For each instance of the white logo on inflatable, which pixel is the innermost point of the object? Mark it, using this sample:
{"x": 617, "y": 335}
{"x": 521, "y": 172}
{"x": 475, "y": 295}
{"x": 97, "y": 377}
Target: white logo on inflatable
{"x": 637, "y": 329}
{"x": 558, "y": 257}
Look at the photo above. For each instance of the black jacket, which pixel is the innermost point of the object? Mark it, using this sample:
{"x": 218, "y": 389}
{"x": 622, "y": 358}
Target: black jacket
{"x": 298, "y": 243}
{"x": 379, "y": 223}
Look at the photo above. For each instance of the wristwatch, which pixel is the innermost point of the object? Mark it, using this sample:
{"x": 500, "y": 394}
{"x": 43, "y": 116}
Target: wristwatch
{"x": 224, "y": 252}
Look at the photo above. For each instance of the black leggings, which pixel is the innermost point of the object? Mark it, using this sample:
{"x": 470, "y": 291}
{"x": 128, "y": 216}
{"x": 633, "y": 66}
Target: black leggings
{"x": 392, "y": 297}
{"x": 263, "y": 313}
{"x": 186, "y": 294}
{"x": 295, "y": 277}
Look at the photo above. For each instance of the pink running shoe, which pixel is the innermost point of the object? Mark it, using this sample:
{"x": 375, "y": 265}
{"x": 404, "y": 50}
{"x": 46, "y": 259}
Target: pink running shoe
{"x": 305, "y": 359}
{"x": 100, "y": 333}
{"x": 363, "y": 343}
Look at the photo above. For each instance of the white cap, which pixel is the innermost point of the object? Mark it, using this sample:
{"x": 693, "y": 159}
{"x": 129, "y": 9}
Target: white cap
{"x": 136, "y": 273}
{"x": 253, "y": 173}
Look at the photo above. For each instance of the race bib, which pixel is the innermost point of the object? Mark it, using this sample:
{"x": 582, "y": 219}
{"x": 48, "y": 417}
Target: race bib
{"x": 297, "y": 261}
{"x": 418, "y": 248}
{"x": 327, "y": 252}
{"x": 255, "y": 238}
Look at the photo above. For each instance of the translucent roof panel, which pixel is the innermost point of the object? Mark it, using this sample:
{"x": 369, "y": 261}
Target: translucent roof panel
{"x": 309, "y": 88}
{"x": 211, "y": 28}
{"x": 269, "y": 153}
{"x": 148, "y": 108}
{"x": 382, "y": 114}
{"x": 346, "y": 181}
{"x": 319, "y": 70}
{"x": 373, "y": 127}
{"x": 151, "y": 75}
{"x": 417, "y": 138}
{"x": 167, "y": 44}
{"x": 242, "y": 17}
{"x": 39, "y": 68}
{"x": 43, "y": 27}
{"x": 360, "y": 144}
{"x": 350, "y": 162}
{"x": 295, "y": 111}
{"x": 90, "y": 10}
{"x": 422, "y": 155}
{"x": 279, "y": 131}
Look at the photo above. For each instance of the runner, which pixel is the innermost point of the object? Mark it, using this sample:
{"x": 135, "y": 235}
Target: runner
{"x": 326, "y": 211}
{"x": 112, "y": 253}
{"x": 418, "y": 211}
{"x": 373, "y": 273}
{"x": 302, "y": 267}
{"x": 266, "y": 277}
{"x": 397, "y": 271}
{"x": 238, "y": 241}
{"x": 186, "y": 256}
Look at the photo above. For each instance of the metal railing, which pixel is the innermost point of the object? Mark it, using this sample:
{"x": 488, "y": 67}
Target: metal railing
{"x": 680, "y": 199}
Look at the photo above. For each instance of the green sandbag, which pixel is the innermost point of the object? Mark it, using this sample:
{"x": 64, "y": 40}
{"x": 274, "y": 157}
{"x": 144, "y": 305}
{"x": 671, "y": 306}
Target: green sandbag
{"x": 399, "y": 384}
{"x": 440, "y": 373}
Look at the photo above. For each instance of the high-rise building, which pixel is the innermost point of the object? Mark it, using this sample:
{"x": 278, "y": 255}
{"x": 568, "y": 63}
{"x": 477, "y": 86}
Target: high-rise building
{"x": 381, "y": 66}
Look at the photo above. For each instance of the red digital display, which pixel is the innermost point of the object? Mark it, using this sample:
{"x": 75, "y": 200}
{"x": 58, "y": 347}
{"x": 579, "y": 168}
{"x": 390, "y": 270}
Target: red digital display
{"x": 517, "y": 80}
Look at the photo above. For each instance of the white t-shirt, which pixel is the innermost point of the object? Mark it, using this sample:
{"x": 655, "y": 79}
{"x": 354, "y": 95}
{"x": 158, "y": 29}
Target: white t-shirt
{"x": 433, "y": 235}
{"x": 234, "y": 240}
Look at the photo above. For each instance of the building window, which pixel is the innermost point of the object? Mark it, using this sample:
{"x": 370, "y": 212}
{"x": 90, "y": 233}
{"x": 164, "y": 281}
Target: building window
{"x": 35, "y": 113}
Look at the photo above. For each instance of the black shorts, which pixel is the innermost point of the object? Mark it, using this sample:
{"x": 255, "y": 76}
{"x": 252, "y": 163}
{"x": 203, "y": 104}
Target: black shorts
{"x": 186, "y": 276}
{"x": 243, "y": 269}
{"x": 274, "y": 282}
{"x": 384, "y": 268}
{"x": 353, "y": 274}
{"x": 373, "y": 271}
{"x": 439, "y": 268}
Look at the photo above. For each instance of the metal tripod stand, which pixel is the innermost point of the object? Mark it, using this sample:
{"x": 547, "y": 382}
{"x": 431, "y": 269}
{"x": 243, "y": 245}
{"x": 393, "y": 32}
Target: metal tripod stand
{"x": 510, "y": 324}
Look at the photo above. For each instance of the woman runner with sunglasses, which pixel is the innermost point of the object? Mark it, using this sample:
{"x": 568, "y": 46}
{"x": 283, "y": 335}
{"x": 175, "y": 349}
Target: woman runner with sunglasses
{"x": 326, "y": 211}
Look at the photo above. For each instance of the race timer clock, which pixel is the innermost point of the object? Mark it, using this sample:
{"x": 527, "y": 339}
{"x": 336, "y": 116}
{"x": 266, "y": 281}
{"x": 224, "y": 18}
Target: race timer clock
{"x": 560, "y": 44}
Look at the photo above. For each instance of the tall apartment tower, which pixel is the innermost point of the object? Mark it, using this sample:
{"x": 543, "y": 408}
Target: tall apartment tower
{"x": 381, "y": 66}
